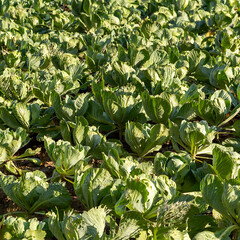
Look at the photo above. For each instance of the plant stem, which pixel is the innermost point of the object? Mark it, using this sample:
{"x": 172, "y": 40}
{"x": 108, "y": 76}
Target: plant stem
{"x": 198, "y": 160}
{"x": 204, "y": 158}
{"x": 11, "y": 213}
{"x": 149, "y": 157}
{"x": 235, "y": 112}
{"x": 110, "y": 132}
{"x": 72, "y": 177}
{"x": 68, "y": 180}
{"x": 53, "y": 178}
{"x": 40, "y": 213}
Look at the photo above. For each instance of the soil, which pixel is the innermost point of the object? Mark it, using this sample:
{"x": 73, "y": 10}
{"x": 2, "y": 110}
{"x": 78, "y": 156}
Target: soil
{"x": 6, "y": 204}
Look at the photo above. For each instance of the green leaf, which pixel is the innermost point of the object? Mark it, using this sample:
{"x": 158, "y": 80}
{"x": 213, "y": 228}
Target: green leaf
{"x": 97, "y": 88}
{"x": 68, "y": 109}
{"x": 35, "y": 112}
{"x": 34, "y": 160}
{"x": 55, "y": 196}
{"x": 65, "y": 156}
{"x": 106, "y": 145}
{"x": 112, "y": 162}
{"x": 65, "y": 131}
{"x": 30, "y": 152}
{"x": 76, "y": 7}
{"x": 230, "y": 199}
{"x": 22, "y": 114}
{"x": 80, "y": 130}
{"x": 167, "y": 187}
{"x": 192, "y": 93}
{"x": 142, "y": 139}
{"x": 7, "y": 183}
{"x": 206, "y": 235}
{"x": 234, "y": 113}
{"x": 157, "y": 107}
{"x": 159, "y": 134}
{"x": 9, "y": 119}
{"x": 19, "y": 228}
{"x": 121, "y": 106}
{"x": 130, "y": 225}
{"x": 95, "y": 220}
{"x": 195, "y": 135}
{"x": 35, "y": 234}
{"x": 11, "y": 142}
{"x": 222, "y": 163}
{"x": 92, "y": 186}
{"x": 90, "y": 62}
{"x": 96, "y": 113}
{"x": 212, "y": 191}
{"x": 4, "y": 6}
{"x": 89, "y": 224}
{"x": 141, "y": 193}
{"x": 87, "y": 6}
{"x": 54, "y": 225}
{"x": 32, "y": 192}
{"x": 81, "y": 104}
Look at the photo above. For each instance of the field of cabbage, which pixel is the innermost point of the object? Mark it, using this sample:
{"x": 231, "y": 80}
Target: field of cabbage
{"x": 120, "y": 119}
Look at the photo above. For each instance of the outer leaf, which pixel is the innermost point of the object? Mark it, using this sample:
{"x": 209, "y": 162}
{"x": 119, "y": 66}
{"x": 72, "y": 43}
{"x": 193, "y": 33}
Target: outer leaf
{"x": 95, "y": 220}
{"x": 230, "y": 199}
{"x": 89, "y": 225}
{"x": 54, "y": 225}
{"x": 19, "y": 228}
{"x": 222, "y": 163}
{"x": 31, "y": 192}
{"x": 64, "y": 155}
{"x": 92, "y": 186}
{"x": 87, "y": 6}
{"x": 76, "y": 7}
{"x": 80, "y": 130}
{"x": 7, "y": 183}
{"x": 135, "y": 137}
{"x": 159, "y": 134}
{"x": 206, "y": 235}
{"x": 9, "y": 119}
{"x": 212, "y": 191}
{"x": 4, "y": 6}
{"x": 55, "y": 196}
{"x": 141, "y": 194}
{"x": 35, "y": 112}
{"x": 65, "y": 131}
{"x": 167, "y": 187}
{"x": 143, "y": 140}
{"x": 157, "y": 108}
{"x": 196, "y": 135}
{"x": 131, "y": 224}
{"x": 22, "y": 114}
{"x": 112, "y": 161}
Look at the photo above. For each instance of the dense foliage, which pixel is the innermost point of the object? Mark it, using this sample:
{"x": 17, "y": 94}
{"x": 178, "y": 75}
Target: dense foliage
{"x": 135, "y": 103}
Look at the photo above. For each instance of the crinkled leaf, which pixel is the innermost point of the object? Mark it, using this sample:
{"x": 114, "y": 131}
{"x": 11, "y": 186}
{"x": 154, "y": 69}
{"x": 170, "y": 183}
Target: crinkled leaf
{"x": 92, "y": 186}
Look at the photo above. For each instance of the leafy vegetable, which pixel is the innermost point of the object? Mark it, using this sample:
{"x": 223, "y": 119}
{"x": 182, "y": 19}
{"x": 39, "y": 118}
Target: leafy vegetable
{"x": 32, "y": 192}
{"x": 92, "y": 186}
{"x": 19, "y": 228}
{"x": 91, "y": 92}
{"x": 76, "y": 226}
{"x": 144, "y": 139}
{"x": 194, "y": 137}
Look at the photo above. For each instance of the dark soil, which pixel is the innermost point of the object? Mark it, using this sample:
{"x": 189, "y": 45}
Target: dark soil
{"x": 6, "y": 204}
